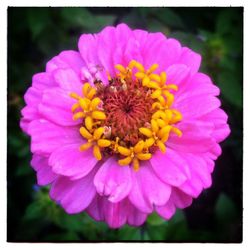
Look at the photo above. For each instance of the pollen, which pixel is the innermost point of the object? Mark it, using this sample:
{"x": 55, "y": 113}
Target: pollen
{"x": 130, "y": 117}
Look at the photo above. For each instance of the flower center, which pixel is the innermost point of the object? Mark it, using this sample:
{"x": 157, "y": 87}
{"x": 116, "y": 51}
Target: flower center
{"x": 131, "y": 117}
{"x": 128, "y": 106}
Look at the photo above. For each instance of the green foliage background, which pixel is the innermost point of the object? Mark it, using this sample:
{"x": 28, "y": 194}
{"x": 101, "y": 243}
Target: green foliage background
{"x": 37, "y": 34}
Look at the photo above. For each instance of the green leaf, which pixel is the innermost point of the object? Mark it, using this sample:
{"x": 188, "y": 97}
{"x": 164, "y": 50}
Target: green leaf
{"x": 71, "y": 222}
{"x": 38, "y": 19}
{"x": 128, "y": 233}
{"x": 154, "y": 219}
{"x": 168, "y": 17}
{"x": 83, "y": 18}
{"x": 67, "y": 236}
{"x": 225, "y": 209}
{"x": 189, "y": 40}
{"x": 33, "y": 211}
{"x": 230, "y": 84}
{"x": 226, "y": 20}
{"x": 178, "y": 217}
{"x": 157, "y": 233}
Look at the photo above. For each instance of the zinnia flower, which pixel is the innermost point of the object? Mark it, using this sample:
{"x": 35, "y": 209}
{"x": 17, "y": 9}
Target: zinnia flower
{"x": 124, "y": 127}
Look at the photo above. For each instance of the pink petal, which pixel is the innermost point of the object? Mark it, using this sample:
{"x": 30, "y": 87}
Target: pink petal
{"x": 56, "y": 106}
{"x": 122, "y": 34}
{"x": 87, "y": 46}
{"x": 132, "y": 52}
{"x": 74, "y": 196}
{"x": 191, "y": 59}
{"x": 135, "y": 217}
{"x": 196, "y": 106}
{"x": 113, "y": 180}
{"x": 66, "y": 59}
{"x": 160, "y": 50}
{"x": 105, "y": 47}
{"x": 68, "y": 80}
{"x": 46, "y": 136}
{"x": 115, "y": 214}
{"x": 170, "y": 167}
{"x": 200, "y": 176}
{"x": 219, "y": 118}
{"x": 32, "y": 98}
{"x": 69, "y": 161}
{"x": 166, "y": 211}
{"x": 95, "y": 210}
{"x": 196, "y": 137}
{"x": 178, "y": 74}
{"x": 45, "y": 175}
{"x": 148, "y": 190}
{"x": 198, "y": 84}
{"x": 180, "y": 199}
{"x": 177, "y": 199}
{"x": 141, "y": 36}
{"x": 43, "y": 81}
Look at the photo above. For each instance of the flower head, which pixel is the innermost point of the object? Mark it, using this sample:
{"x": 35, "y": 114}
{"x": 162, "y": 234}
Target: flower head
{"x": 124, "y": 127}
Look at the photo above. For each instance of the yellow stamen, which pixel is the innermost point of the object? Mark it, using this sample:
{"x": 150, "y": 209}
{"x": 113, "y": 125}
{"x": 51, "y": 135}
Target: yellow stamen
{"x": 85, "y": 133}
{"x": 136, "y": 164}
{"x": 161, "y": 123}
{"x": 84, "y": 103}
{"x": 97, "y": 153}
{"x": 146, "y": 131}
{"x": 172, "y": 86}
{"x": 164, "y": 131}
{"x": 140, "y": 75}
{"x": 99, "y": 115}
{"x": 120, "y": 68}
{"x": 154, "y": 126}
{"x": 176, "y": 131}
{"x": 159, "y": 114}
{"x": 153, "y": 68}
{"x": 139, "y": 147}
{"x": 177, "y": 116}
{"x": 156, "y": 105}
{"x": 75, "y": 96}
{"x": 91, "y": 93}
{"x": 95, "y": 102}
{"x": 163, "y": 76}
{"x": 86, "y": 88}
{"x": 124, "y": 151}
{"x": 89, "y": 123}
{"x": 78, "y": 115}
{"x": 125, "y": 161}
{"x": 132, "y": 63}
{"x": 149, "y": 142}
{"x": 153, "y": 85}
{"x": 144, "y": 157}
{"x": 161, "y": 146}
{"x": 169, "y": 115}
{"x": 75, "y": 106}
{"x": 155, "y": 77}
{"x": 108, "y": 75}
{"x": 145, "y": 81}
{"x": 156, "y": 94}
{"x": 139, "y": 66}
{"x": 103, "y": 143}
{"x": 98, "y": 133}
{"x": 86, "y": 146}
{"x": 162, "y": 100}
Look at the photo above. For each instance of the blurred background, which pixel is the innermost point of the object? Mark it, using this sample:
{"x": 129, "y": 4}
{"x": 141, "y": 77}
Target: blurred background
{"x": 37, "y": 34}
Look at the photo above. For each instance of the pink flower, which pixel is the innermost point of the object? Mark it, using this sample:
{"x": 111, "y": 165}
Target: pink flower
{"x": 124, "y": 127}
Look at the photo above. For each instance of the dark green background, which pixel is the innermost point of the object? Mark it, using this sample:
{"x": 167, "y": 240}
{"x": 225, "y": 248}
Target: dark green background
{"x": 37, "y": 34}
